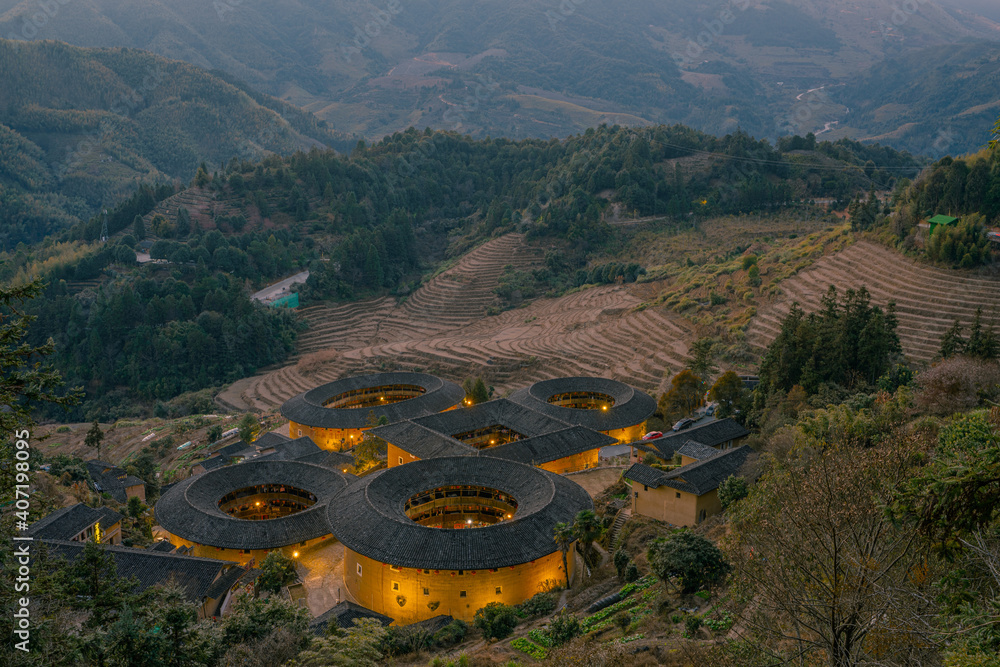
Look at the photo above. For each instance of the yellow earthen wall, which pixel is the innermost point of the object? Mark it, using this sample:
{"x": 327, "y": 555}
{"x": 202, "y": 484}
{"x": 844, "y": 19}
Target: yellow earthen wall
{"x": 662, "y": 503}
{"x": 628, "y": 434}
{"x": 581, "y": 461}
{"x": 237, "y": 555}
{"x": 373, "y": 588}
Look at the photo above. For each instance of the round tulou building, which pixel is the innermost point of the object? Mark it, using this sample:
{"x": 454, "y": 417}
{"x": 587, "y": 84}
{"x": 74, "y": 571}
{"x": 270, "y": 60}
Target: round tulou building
{"x": 335, "y": 414}
{"x": 608, "y": 406}
{"x": 242, "y": 512}
{"x": 450, "y": 535}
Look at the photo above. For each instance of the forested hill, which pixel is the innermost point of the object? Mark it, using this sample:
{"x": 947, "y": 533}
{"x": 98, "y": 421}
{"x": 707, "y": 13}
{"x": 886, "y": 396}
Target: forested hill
{"x": 373, "y": 222}
{"x": 931, "y": 102}
{"x": 80, "y": 128}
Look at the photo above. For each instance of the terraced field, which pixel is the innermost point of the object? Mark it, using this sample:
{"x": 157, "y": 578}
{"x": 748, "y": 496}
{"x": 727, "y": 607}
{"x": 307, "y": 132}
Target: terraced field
{"x": 928, "y": 299}
{"x": 442, "y": 328}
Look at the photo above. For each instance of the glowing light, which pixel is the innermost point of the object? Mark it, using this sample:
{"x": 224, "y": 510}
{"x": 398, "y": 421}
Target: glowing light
{"x": 469, "y": 522}
{"x": 258, "y": 503}
{"x": 604, "y": 407}
{"x": 509, "y": 515}
{"x": 493, "y": 442}
{"x": 295, "y": 554}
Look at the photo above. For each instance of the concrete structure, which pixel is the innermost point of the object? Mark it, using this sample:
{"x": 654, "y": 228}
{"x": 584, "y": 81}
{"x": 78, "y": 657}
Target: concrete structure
{"x": 336, "y": 414}
{"x": 242, "y": 512}
{"x": 604, "y": 405}
{"x": 80, "y": 523}
{"x": 498, "y": 429}
{"x": 687, "y": 495}
{"x": 449, "y": 535}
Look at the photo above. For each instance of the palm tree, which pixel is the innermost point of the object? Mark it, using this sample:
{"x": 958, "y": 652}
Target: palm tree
{"x": 587, "y": 528}
{"x": 565, "y": 537}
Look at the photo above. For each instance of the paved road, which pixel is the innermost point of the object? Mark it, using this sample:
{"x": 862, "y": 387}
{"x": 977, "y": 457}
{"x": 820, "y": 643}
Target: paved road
{"x": 279, "y": 289}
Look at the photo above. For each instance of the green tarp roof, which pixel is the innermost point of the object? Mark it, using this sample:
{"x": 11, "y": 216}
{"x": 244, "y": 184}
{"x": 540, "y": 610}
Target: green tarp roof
{"x": 942, "y": 220}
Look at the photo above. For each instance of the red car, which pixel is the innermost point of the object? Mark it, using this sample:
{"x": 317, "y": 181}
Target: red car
{"x": 652, "y": 435}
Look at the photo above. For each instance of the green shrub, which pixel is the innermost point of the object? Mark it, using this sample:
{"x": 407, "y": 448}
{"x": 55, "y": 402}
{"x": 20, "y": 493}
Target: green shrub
{"x": 691, "y": 625}
{"x": 539, "y": 604}
{"x": 496, "y": 620}
{"x": 621, "y": 559}
{"x": 529, "y": 647}
{"x": 631, "y": 573}
{"x": 563, "y": 628}
{"x": 451, "y": 634}
{"x": 676, "y": 618}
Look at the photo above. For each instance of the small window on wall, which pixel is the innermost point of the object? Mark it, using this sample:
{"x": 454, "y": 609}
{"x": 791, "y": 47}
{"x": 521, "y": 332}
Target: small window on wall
{"x": 678, "y": 495}
{"x": 461, "y": 594}
{"x": 400, "y": 460}
{"x": 499, "y": 590}
{"x": 395, "y": 585}
{"x": 645, "y": 488}
{"x": 359, "y": 569}
{"x": 427, "y": 592}
{"x": 300, "y": 433}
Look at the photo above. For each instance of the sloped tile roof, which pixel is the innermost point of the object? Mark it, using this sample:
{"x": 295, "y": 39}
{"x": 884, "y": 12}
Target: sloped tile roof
{"x": 368, "y": 517}
{"x": 698, "y": 478}
{"x": 195, "y": 576}
{"x": 345, "y": 614}
{"x": 270, "y": 439}
{"x": 547, "y": 438}
{"x": 308, "y": 408}
{"x": 550, "y": 446}
{"x": 697, "y": 451}
{"x": 291, "y": 450}
{"x": 631, "y": 406}
{"x": 190, "y": 509}
{"x": 711, "y": 433}
{"x": 68, "y": 522}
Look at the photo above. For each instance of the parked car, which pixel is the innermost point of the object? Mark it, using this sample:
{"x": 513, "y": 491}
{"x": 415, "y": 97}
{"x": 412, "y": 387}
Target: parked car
{"x": 652, "y": 435}
{"x": 683, "y": 424}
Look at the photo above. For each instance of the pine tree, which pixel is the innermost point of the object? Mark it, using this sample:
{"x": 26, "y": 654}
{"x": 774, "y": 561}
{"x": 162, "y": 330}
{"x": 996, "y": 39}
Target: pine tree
{"x": 952, "y": 343}
{"x": 982, "y": 343}
{"x": 138, "y": 228}
{"x": 94, "y": 437}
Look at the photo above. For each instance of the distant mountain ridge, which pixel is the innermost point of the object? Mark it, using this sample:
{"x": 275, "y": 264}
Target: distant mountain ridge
{"x": 79, "y": 128}
{"x": 528, "y": 68}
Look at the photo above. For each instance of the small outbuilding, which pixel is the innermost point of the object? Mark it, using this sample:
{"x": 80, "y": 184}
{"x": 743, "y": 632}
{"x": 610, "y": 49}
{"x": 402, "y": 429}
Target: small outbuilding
{"x": 687, "y": 495}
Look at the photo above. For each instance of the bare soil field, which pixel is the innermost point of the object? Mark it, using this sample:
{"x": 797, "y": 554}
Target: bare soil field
{"x": 442, "y": 328}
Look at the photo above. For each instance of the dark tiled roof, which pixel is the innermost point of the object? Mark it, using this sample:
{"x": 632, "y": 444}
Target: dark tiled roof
{"x": 110, "y": 479}
{"x": 345, "y": 613}
{"x": 421, "y": 441}
{"x": 712, "y": 434}
{"x": 190, "y": 510}
{"x": 194, "y": 575}
{"x": 292, "y": 450}
{"x": 163, "y": 546}
{"x": 631, "y": 406}
{"x": 368, "y": 516}
{"x": 213, "y": 463}
{"x": 526, "y": 421}
{"x": 269, "y": 440}
{"x": 68, "y": 522}
{"x": 235, "y": 449}
{"x": 547, "y": 438}
{"x": 308, "y": 408}
{"x": 698, "y": 478}
{"x": 229, "y": 579}
{"x": 335, "y": 460}
{"x": 697, "y": 451}
{"x": 551, "y": 446}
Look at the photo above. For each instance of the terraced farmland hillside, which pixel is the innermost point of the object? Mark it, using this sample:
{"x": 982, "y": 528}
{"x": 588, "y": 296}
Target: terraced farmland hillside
{"x": 442, "y": 328}
{"x": 928, "y": 299}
